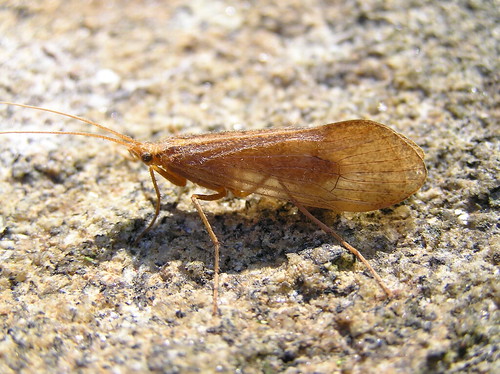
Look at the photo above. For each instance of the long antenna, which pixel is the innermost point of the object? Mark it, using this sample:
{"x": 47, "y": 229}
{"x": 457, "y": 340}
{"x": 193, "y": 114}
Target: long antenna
{"x": 126, "y": 139}
{"x": 88, "y": 134}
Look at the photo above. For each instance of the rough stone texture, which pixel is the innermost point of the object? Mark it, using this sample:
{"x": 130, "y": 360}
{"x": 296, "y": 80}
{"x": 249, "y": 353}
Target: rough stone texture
{"x": 77, "y": 295}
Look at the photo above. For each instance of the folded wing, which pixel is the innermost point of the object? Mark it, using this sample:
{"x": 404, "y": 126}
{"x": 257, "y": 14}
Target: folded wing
{"x": 346, "y": 166}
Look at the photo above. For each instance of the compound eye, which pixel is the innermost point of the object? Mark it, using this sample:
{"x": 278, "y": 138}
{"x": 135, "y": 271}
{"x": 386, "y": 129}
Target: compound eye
{"x": 146, "y": 157}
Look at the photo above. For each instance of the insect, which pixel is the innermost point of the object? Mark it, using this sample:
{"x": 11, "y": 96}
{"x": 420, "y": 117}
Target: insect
{"x": 354, "y": 166}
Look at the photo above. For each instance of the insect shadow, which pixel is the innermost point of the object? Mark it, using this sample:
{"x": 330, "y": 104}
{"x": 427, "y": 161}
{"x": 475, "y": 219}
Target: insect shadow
{"x": 250, "y": 239}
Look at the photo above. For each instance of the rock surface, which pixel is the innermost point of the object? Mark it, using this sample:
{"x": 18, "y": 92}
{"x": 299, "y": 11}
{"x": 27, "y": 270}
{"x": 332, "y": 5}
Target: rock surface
{"x": 77, "y": 295}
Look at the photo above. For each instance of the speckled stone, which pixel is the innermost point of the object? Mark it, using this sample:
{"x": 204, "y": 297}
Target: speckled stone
{"x": 77, "y": 296}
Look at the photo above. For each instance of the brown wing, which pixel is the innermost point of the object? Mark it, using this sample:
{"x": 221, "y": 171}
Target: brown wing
{"x": 346, "y": 166}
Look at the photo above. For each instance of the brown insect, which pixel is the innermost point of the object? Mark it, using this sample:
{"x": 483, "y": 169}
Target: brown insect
{"x": 353, "y": 166}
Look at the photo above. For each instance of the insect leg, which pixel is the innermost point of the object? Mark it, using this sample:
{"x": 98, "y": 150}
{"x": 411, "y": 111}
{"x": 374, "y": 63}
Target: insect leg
{"x": 157, "y": 206}
{"x": 346, "y": 245}
{"x": 173, "y": 178}
{"x": 195, "y": 198}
